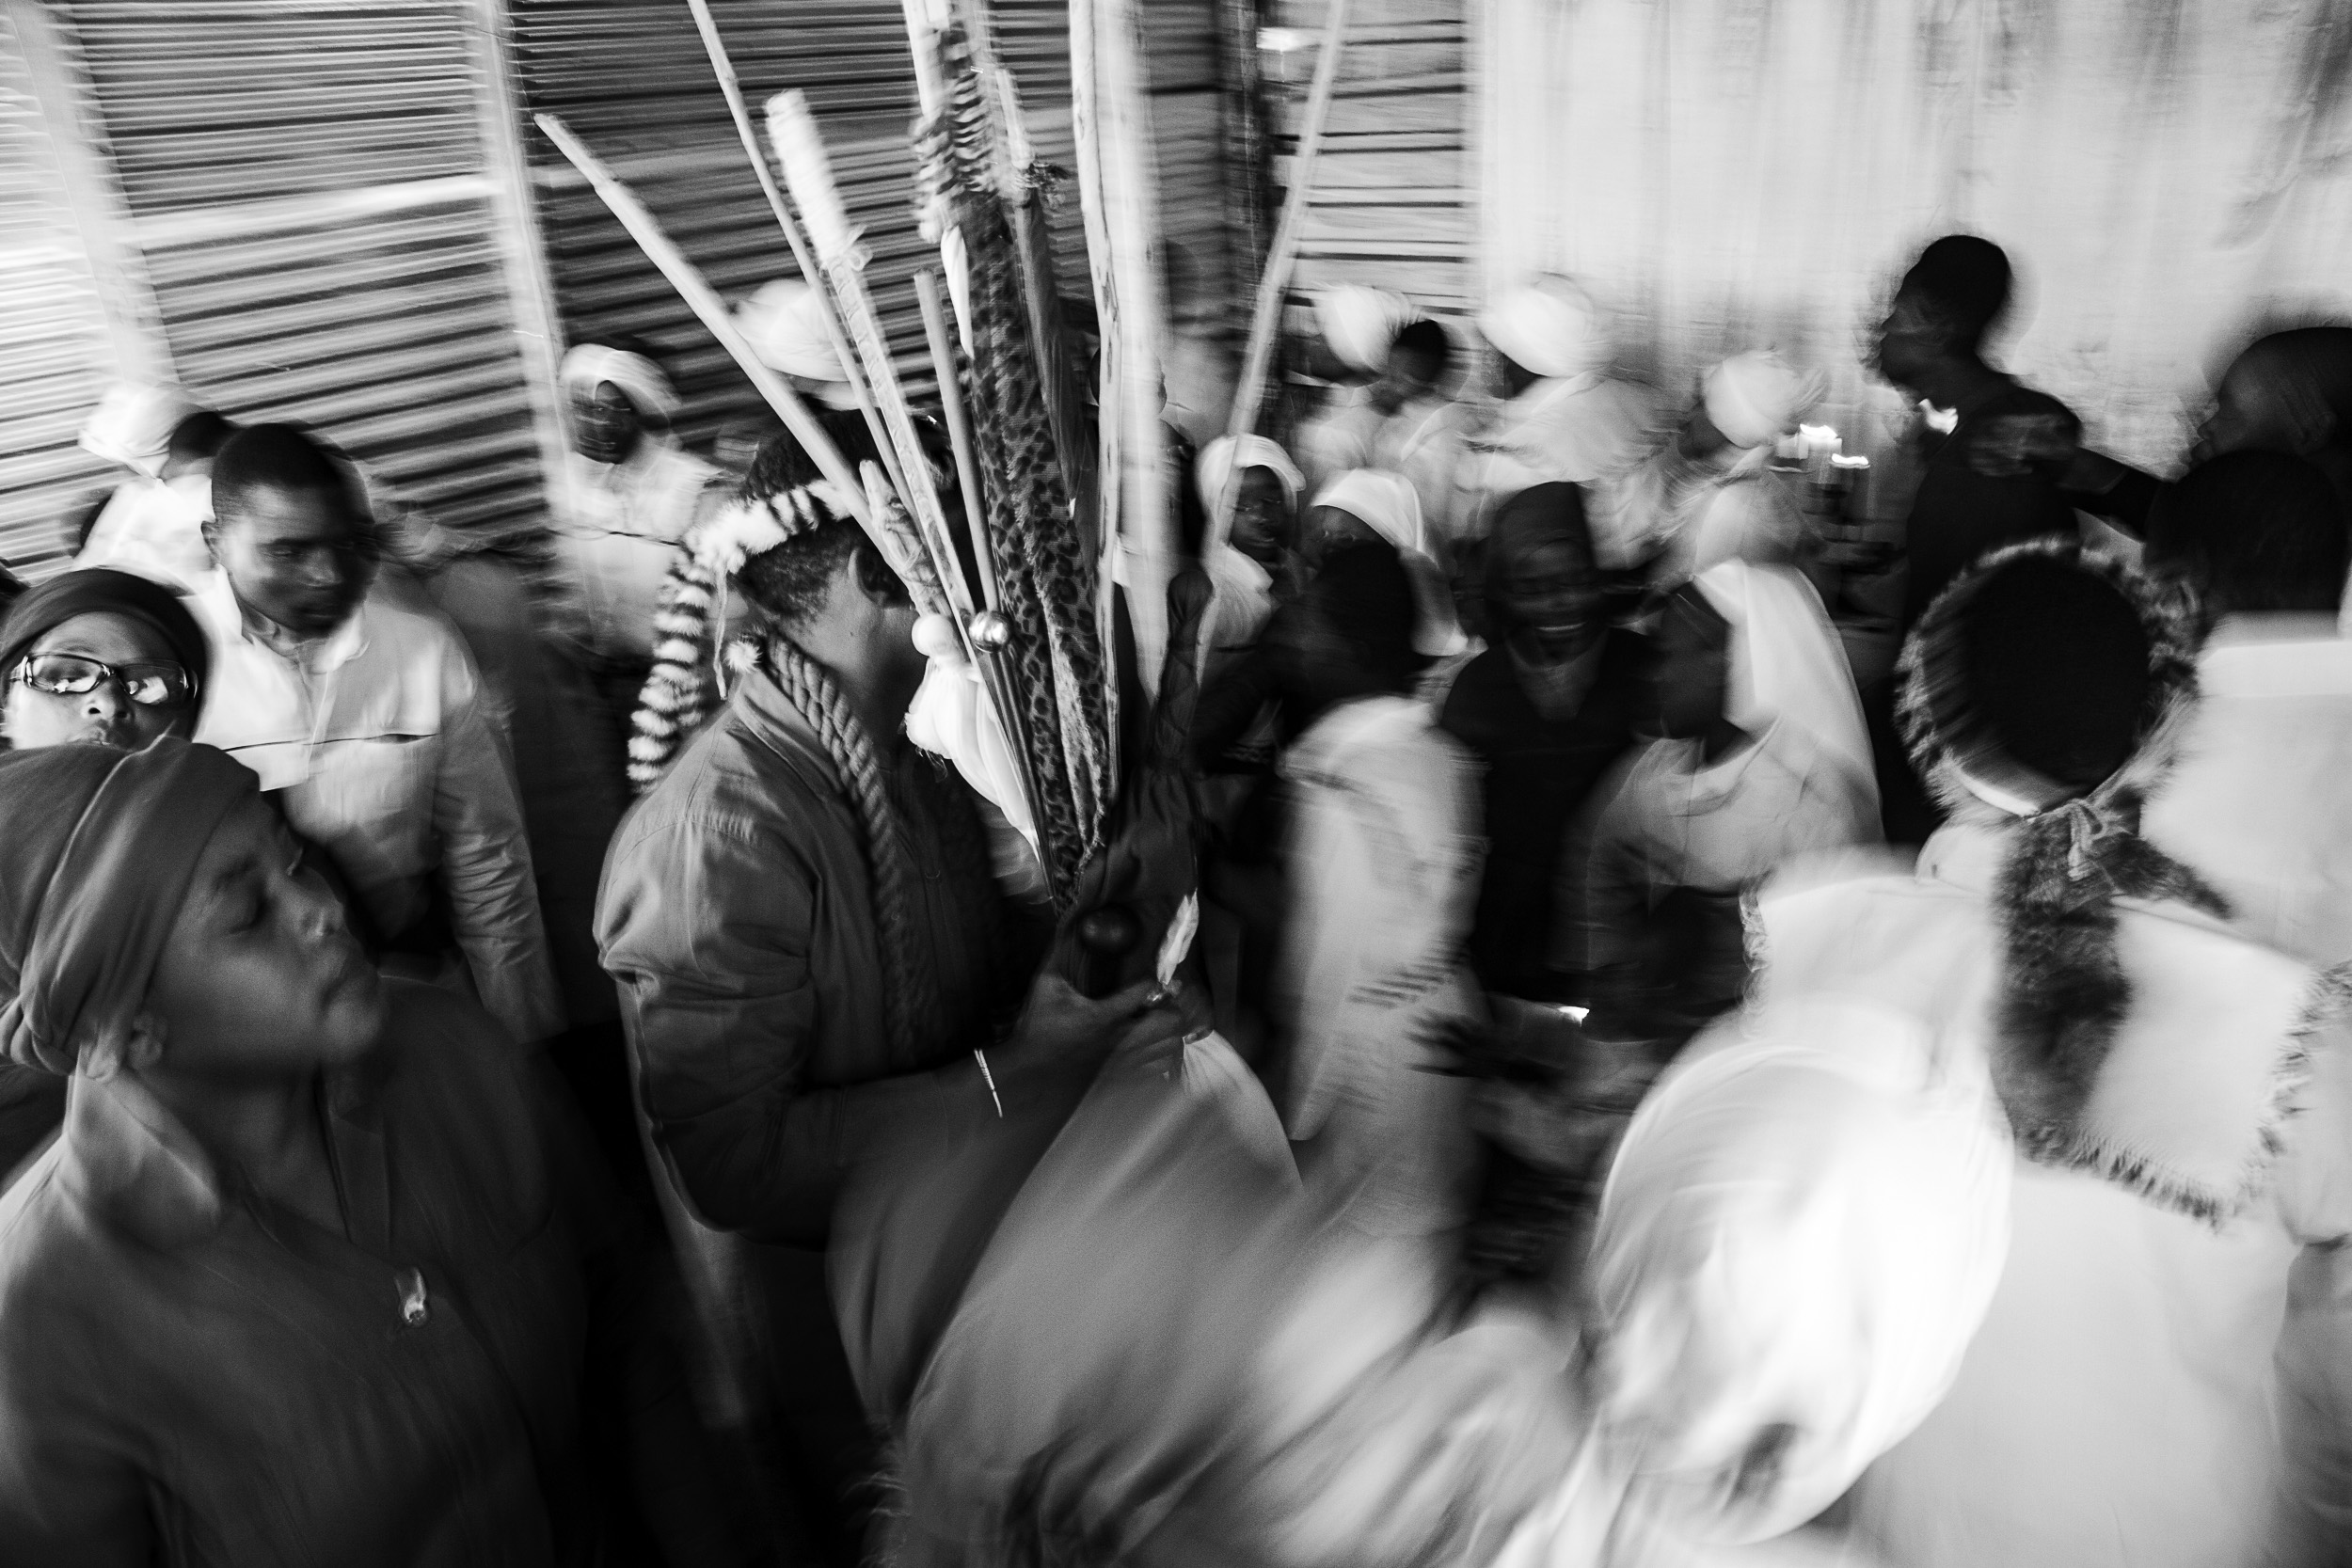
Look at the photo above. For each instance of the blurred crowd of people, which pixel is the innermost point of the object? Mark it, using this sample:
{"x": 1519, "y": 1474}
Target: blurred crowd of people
{"x": 1681, "y": 1087}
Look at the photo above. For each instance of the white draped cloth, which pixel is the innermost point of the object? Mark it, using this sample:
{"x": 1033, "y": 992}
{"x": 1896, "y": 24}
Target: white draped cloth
{"x": 1803, "y": 784}
{"x": 618, "y": 528}
{"x": 1585, "y": 429}
{"x": 1701, "y": 512}
{"x": 1788, "y": 669}
{"x": 1820, "y": 1262}
{"x": 1384, "y": 867}
{"x": 155, "y": 528}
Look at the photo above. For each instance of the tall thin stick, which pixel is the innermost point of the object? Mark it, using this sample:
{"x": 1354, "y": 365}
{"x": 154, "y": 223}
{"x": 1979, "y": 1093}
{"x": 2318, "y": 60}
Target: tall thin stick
{"x": 930, "y": 87}
{"x": 723, "y": 66}
{"x": 801, "y": 152}
{"x": 1275, "y": 283}
{"x": 705, "y": 302}
{"x": 959, "y": 431}
{"x": 1110, "y": 120}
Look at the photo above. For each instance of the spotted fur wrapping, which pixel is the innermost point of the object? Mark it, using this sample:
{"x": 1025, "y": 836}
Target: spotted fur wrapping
{"x": 2064, "y": 995}
{"x": 1047, "y": 577}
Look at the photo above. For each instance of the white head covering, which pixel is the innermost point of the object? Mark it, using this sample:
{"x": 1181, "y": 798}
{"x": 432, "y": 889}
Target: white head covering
{"x": 1551, "y": 326}
{"x": 639, "y": 378}
{"x": 1756, "y": 397}
{"x": 1389, "y": 505}
{"x": 1789, "y": 666}
{"x": 133, "y": 422}
{"x": 1800, "y": 1234}
{"x": 784, "y": 321}
{"x": 1385, "y": 502}
{"x": 1361, "y": 324}
{"x": 1216, "y": 465}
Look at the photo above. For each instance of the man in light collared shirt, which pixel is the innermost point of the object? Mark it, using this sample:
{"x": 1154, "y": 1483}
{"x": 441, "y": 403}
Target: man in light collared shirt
{"x": 360, "y": 710}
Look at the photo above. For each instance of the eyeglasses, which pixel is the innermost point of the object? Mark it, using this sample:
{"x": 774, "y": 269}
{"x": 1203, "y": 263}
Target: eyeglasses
{"x": 159, "y": 684}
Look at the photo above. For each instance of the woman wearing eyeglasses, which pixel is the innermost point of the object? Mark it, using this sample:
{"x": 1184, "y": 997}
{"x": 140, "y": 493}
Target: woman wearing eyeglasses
{"x": 100, "y": 657}
{"x": 88, "y": 657}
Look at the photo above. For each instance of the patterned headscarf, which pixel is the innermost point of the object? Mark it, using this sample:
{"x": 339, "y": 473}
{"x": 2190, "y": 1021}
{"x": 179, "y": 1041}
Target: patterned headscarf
{"x": 98, "y": 856}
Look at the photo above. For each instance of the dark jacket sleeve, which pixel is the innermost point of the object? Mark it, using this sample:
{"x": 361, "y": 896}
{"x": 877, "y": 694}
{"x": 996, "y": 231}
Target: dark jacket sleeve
{"x": 705, "y": 926}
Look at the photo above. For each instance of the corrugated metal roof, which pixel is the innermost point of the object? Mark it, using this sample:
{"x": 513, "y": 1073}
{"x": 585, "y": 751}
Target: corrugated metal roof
{"x": 51, "y": 335}
{"x": 309, "y": 188}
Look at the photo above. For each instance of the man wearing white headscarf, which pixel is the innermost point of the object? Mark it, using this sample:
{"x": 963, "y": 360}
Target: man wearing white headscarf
{"x": 1565, "y": 418}
{"x": 1252, "y": 565}
{"x": 630, "y": 493}
{"x": 1761, "y": 757}
{"x": 1710, "y": 495}
{"x": 1386, "y": 411}
{"x": 1368, "y": 502}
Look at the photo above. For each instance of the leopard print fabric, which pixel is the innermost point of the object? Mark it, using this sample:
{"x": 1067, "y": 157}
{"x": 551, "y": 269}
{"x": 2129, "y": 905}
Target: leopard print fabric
{"x": 1047, "y": 574}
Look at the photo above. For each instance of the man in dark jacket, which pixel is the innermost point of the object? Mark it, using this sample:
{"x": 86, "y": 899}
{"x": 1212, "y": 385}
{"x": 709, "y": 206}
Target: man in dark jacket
{"x": 817, "y": 973}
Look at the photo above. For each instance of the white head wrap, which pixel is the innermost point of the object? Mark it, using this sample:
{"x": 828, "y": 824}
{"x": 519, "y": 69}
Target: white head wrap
{"x": 1361, "y": 324}
{"x": 639, "y": 379}
{"x": 1385, "y": 502}
{"x": 1216, "y": 465}
{"x": 1551, "y": 326}
{"x": 1801, "y": 1233}
{"x": 784, "y": 321}
{"x": 1389, "y": 505}
{"x": 1756, "y": 397}
{"x": 1790, "y": 668}
{"x": 133, "y": 422}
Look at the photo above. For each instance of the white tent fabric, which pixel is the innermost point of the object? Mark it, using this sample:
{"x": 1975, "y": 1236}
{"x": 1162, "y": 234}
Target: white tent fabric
{"x": 2167, "y": 180}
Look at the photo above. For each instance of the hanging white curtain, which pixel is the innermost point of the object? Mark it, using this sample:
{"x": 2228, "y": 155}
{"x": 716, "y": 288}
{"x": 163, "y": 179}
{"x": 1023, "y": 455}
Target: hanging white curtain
{"x": 2166, "y": 175}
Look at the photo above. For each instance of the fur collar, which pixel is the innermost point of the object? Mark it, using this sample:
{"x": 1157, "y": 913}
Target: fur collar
{"x": 2109, "y": 945}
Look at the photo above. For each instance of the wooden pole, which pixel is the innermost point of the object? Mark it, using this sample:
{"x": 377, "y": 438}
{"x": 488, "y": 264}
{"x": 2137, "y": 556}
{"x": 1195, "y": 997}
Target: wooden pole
{"x": 723, "y": 66}
{"x": 1110, "y": 117}
{"x": 959, "y": 432}
{"x": 1275, "y": 283}
{"x": 705, "y": 302}
{"x": 800, "y": 153}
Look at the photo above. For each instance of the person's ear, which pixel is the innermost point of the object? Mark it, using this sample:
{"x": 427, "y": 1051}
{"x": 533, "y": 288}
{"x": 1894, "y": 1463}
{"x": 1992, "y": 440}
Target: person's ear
{"x": 873, "y": 578}
{"x": 135, "y": 1044}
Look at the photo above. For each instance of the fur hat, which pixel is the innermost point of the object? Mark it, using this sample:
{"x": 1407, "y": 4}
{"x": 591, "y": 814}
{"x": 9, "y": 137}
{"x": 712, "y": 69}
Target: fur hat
{"x": 2046, "y": 693}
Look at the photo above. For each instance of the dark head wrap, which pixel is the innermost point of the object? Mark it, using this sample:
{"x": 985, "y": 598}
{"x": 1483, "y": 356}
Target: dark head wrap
{"x": 44, "y": 608}
{"x": 1363, "y": 594}
{"x": 1968, "y": 280}
{"x": 99, "y": 848}
{"x": 1541, "y": 514}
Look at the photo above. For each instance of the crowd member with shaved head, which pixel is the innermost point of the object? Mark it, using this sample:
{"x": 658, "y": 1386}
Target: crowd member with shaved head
{"x": 362, "y": 713}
